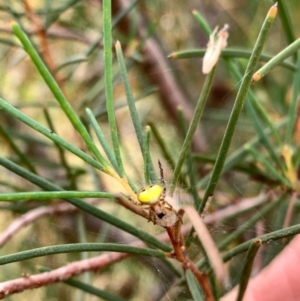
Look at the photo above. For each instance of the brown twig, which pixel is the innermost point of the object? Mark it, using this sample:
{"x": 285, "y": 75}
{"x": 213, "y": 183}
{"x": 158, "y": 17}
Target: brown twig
{"x": 57, "y": 31}
{"x": 41, "y": 32}
{"x": 33, "y": 215}
{"x": 180, "y": 254}
{"x": 68, "y": 271}
{"x": 201, "y": 278}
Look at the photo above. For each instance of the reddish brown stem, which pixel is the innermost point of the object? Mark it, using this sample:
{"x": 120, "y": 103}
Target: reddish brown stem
{"x": 201, "y": 278}
{"x": 180, "y": 255}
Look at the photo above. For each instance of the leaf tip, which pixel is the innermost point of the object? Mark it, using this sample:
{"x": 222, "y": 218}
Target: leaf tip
{"x": 256, "y": 77}
{"x": 12, "y": 23}
{"x": 273, "y": 11}
{"x": 118, "y": 44}
{"x": 171, "y": 56}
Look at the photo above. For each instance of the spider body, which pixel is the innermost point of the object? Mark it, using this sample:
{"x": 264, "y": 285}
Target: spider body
{"x": 153, "y": 197}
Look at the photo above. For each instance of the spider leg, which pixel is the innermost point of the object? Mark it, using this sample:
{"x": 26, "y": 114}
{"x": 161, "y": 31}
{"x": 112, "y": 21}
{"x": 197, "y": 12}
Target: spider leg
{"x": 152, "y": 215}
{"x": 162, "y": 181}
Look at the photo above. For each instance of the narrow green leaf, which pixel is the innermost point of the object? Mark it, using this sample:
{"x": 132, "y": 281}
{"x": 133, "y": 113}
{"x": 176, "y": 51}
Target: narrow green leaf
{"x": 80, "y": 247}
{"x": 227, "y": 53}
{"x": 14, "y": 147}
{"x": 104, "y": 295}
{"x": 246, "y": 271}
{"x": 286, "y": 20}
{"x": 238, "y": 106}
{"x": 61, "y": 152}
{"x": 240, "y": 153}
{"x": 256, "y": 103}
{"x": 264, "y": 139}
{"x": 193, "y": 286}
{"x": 133, "y": 111}
{"x": 191, "y": 172}
{"x": 164, "y": 149}
{"x": 106, "y": 147}
{"x": 110, "y": 155}
{"x": 266, "y": 238}
{"x": 202, "y": 22}
{"x": 47, "y": 195}
{"x": 192, "y": 128}
{"x": 146, "y": 155}
{"x": 249, "y": 223}
{"x": 293, "y": 112}
{"x": 107, "y": 41}
{"x": 46, "y": 132}
{"x": 268, "y": 166}
{"x": 130, "y": 100}
{"x": 57, "y": 92}
{"x": 276, "y": 60}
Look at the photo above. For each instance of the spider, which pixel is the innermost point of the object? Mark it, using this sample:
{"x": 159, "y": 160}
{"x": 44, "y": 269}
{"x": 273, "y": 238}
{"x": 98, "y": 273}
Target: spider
{"x": 153, "y": 197}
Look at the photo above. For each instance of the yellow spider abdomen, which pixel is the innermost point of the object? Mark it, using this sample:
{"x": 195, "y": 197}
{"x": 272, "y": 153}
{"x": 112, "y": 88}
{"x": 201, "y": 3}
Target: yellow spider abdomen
{"x": 150, "y": 195}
